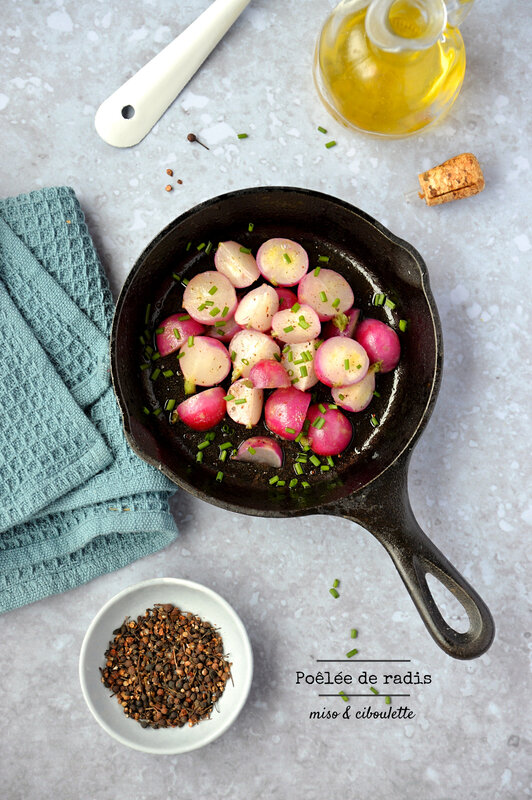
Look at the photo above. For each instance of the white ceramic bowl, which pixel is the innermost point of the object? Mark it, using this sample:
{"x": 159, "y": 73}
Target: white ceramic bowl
{"x": 188, "y": 596}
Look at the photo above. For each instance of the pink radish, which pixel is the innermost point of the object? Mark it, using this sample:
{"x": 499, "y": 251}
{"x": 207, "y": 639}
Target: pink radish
{"x": 358, "y": 396}
{"x": 204, "y": 362}
{"x": 239, "y": 266}
{"x": 298, "y": 360}
{"x": 343, "y": 324}
{"x": 340, "y": 362}
{"x": 269, "y": 374}
{"x": 286, "y": 298}
{"x": 285, "y": 412}
{"x": 176, "y": 331}
{"x": 210, "y": 297}
{"x": 225, "y": 331}
{"x": 260, "y": 450}
{"x": 256, "y": 309}
{"x": 330, "y": 431}
{"x": 296, "y": 326}
{"x": 203, "y": 410}
{"x": 282, "y": 261}
{"x": 327, "y": 292}
{"x": 247, "y": 348}
{"x": 380, "y": 342}
{"x": 245, "y": 403}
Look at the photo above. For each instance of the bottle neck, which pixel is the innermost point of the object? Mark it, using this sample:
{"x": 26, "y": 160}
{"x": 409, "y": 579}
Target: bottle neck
{"x": 405, "y": 25}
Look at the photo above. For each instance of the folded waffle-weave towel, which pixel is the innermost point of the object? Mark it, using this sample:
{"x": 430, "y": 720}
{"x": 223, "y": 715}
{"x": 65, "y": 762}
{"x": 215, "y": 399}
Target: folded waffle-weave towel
{"x": 75, "y": 501}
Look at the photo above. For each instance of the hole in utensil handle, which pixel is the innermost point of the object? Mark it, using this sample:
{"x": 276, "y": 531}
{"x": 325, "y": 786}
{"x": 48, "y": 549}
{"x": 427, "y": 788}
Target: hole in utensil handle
{"x": 128, "y": 112}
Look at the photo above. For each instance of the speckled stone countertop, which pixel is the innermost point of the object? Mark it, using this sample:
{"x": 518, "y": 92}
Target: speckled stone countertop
{"x": 470, "y": 474}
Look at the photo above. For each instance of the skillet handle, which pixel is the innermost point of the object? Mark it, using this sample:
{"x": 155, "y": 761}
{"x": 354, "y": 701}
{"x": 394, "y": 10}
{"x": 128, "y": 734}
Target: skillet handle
{"x": 384, "y": 509}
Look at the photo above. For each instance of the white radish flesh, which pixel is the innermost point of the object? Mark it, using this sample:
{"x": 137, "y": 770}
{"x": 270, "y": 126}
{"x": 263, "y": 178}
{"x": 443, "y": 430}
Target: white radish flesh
{"x": 247, "y": 348}
{"x": 269, "y": 374}
{"x": 176, "y": 331}
{"x": 238, "y": 266}
{"x": 204, "y": 362}
{"x": 298, "y": 360}
{"x": 296, "y": 326}
{"x": 340, "y": 362}
{"x": 260, "y": 450}
{"x": 327, "y": 292}
{"x": 285, "y": 412}
{"x": 203, "y": 410}
{"x": 210, "y": 297}
{"x": 245, "y": 406}
{"x": 282, "y": 261}
{"x": 358, "y": 396}
{"x": 256, "y": 309}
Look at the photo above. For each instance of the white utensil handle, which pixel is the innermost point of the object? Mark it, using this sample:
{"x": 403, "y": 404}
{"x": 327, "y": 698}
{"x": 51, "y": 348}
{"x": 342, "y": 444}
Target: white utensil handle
{"x": 131, "y": 112}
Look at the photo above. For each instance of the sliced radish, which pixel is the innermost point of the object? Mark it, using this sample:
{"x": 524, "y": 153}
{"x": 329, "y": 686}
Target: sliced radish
{"x": 223, "y": 331}
{"x": 343, "y": 324}
{"x": 327, "y": 292}
{"x": 282, "y": 261}
{"x": 330, "y": 431}
{"x": 247, "y": 348}
{"x": 285, "y": 412}
{"x": 298, "y": 361}
{"x": 240, "y": 267}
{"x": 358, "y": 396}
{"x": 210, "y": 297}
{"x": 260, "y": 450}
{"x": 296, "y": 326}
{"x": 176, "y": 331}
{"x": 204, "y": 362}
{"x": 286, "y": 298}
{"x": 245, "y": 405}
{"x": 256, "y": 309}
{"x": 203, "y": 410}
{"x": 380, "y": 342}
{"x": 269, "y": 374}
{"x": 340, "y": 362}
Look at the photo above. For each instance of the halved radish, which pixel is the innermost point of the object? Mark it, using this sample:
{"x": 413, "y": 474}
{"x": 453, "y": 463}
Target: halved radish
{"x": 204, "y": 362}
{"x": 298, "y": 360}
{"x": 343, "y": 324}
{"x": 296, "y": 326}
{"x": 380, "y": 342}
{"x": 327, "y": 292}
{"x": 282, "y": 261}
{"x": 245, "y": 405}
{"x": 260, "y": 450}
{"x": 203, "y": 410}
{"x": 358, "y": 396}
{"x": 247, "y": 348}
{"x": 269, "y": 374}
{"x": 239, "y": 266}
{"x": 286, "y": 298}
{"x": 340, "y": 362}
{"x": 285, "y": 412}
{"x": 223, "y": 331}
{"x": 210, "y": 297}
{"x": 176, "y": 330}
{"x": 256, "y": 309}
{"x": 330, "y": 431}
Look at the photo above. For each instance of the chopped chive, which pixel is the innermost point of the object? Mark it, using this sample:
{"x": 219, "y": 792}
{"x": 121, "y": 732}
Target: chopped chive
{"x": 175, "y": 276}
{"x": 180, "y": 355}
{"x": 146, "y": 410}
{"x": 184, "y": 317}
{"x": 322, "y": 408}
{"x": 378, "y": 299}
{"x": 315, "y": 460}
{"x": 252, "y": 450}
{"x": 189, "y": 245}
{"x": 352, "y": 653}
{"x": 286, "y": 349}
{"x": 303, "y": 323}
{"x": 305, "y": 484}
{"x": 226, "y": 446}
{"x": 324, "y": 258}
{"x": 169, "y": 405}
{"x": 354, "y": 633}
{"x": 203, "y": 445}
{"x": 202, "y": 307}
{"x": 168, "y": 373}
{"x": 294, "y": 380}
{"x": 210, "y": 436}
{"x": 190, "y": 341}
{"x": 147, "y": 314}
{"x": 288, "y": 329}
{"x": 359, "y": 366}
{"x": 341, "y": 396}
{"x": 226, "y": 430}
{"x": 293, "y": 483}
{"x": 155, "y": 374}
{"x": 219, "y": 476}
{"x": 299, "y": 437}
{"x": 323, "y": 297}
{"x": 145, "y": 366}
{"x": 289, "y": 430}
{"x": 403, "y": 324}
{"x": 322, "y": 130}
{"x": 324, "y": 468}
{"x": 213, "y": 290}
{"x": 223, "y": 455}
{"x": 156, "y": 356}
{"x": 330, "y": 144}
{"x": 208, "y": 248}
{"x": 245, "y": 361}
{"x": 245, "y": 250}
{"x": 332, "y": 406}
{"x": 374, "y": 421}
{"x": 376, "y": 393}
{"x": 318, "y": 423}
{"x": 387, "y": 699}
{"x": 336, "y": 302}
{"x": 336, "y": 583}
{"x": 291, "y": 357}
{"x": 157, "y": 412}
{"x": 277, "y": 356}
{"x": 295, "y": 307}
{"x": 233, "y": 355}
{"x": 251, "y": 225}
{"x": 177, "y": 334}
{"x": 317, "y": 271}
{"x": 225, "y": 311}
{"x": 273, "y": 480}
{"x": 298, "y": 469}
{"x": 219, "y": 323}
{"x": 334, "y": 593}
{"x": 214, "y": 311}
{"x": 346, "y": 363}
{"x": 287, "y": 258}
{"x": 344, "y": 697}
{"x": 200, "y": 246}
{"x": 306, "y": 426}
{"x": 329, "y": 461}
{"x": 229, "y": 397}
{"x": 142, "y": 340}
{"x": 390, "y": 303}
{"x": 298, "y": 362}
{"x": 281, "y": 483}
{"x": 302, "y": 457}
{"x": 159, "y": 330}
{"x": 303, "y": 371}
{"x": 241, "y": 401}
{"x": 184, "y": 282}
{"x": 242, "y": 135}
{"x": 374, "y": 690}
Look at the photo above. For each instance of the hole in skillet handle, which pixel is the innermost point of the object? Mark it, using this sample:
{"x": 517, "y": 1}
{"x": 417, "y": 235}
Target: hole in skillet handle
{"x": 450, "y": 608}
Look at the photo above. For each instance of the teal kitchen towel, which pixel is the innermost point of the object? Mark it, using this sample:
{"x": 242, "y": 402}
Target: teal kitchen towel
{"x": 75, "y": 501}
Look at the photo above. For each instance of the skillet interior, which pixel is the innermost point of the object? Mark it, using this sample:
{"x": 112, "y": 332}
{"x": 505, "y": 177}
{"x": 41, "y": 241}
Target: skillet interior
{"x": 368, "y": 256}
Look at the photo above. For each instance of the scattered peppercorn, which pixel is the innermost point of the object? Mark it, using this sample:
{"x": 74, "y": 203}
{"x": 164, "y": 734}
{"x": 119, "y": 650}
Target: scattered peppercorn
{"x": 168, "y": 187}
{"x": 179, "y": 181}
{"x": 170, "y": 172}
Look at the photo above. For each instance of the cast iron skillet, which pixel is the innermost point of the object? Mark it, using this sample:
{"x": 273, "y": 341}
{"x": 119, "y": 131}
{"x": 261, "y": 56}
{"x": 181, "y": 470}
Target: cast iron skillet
{"x": 369, "y": 485}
